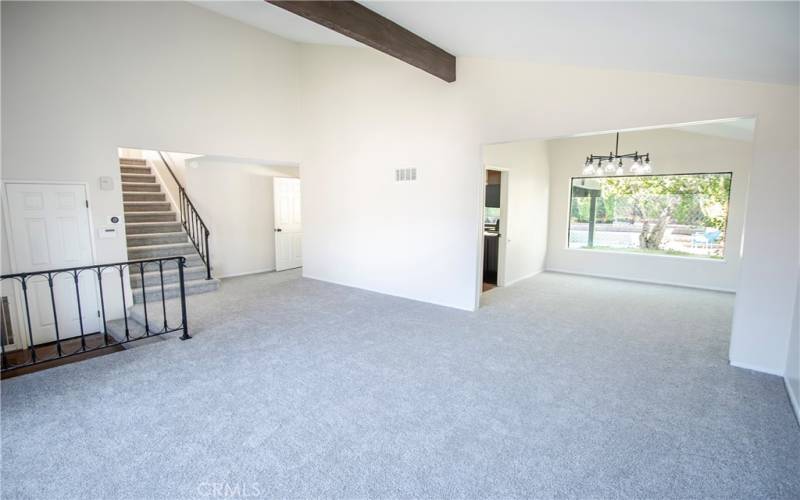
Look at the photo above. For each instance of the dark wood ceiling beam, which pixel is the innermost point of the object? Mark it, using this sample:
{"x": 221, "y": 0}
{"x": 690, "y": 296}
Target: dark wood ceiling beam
{"x": 370, "y": 28}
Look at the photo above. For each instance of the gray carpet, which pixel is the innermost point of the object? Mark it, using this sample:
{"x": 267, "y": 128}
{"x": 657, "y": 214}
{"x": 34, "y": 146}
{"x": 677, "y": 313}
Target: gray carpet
{"x": 561, "y": 386}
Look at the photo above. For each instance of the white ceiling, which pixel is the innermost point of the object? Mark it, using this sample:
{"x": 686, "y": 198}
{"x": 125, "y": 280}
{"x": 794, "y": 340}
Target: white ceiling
{"x": 740, "y": 129}
{"x": 756, "y": 41}
{"x": 262, "y": 15}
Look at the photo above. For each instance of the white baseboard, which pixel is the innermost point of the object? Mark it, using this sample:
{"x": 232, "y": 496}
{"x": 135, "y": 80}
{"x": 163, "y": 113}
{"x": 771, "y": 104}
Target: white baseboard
{"x": 247, "y": 273}
{"x": 793, "y": 398}
{"x": 755, "y": 368}
{"x": 633, "y": 280}
{"x": 389, "y": 294}
{"x": 509, "y": 283}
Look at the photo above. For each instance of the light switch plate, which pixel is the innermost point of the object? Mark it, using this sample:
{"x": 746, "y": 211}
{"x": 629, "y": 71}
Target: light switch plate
{"x": 106, "y": 183}
{"x": 107, "y": 233}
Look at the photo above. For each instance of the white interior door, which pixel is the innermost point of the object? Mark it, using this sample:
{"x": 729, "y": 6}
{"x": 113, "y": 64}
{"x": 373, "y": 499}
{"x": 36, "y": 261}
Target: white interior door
{"x": 288, "y": 224}
{"x": 49, "y": 229}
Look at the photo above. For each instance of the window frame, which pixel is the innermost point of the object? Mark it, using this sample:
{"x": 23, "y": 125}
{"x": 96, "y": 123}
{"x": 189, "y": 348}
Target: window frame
{"x": 722, "y": 260}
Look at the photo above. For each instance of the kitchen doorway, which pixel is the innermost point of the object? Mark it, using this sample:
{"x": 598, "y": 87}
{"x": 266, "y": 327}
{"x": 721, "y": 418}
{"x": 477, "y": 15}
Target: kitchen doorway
{"x": 495, "y": 215}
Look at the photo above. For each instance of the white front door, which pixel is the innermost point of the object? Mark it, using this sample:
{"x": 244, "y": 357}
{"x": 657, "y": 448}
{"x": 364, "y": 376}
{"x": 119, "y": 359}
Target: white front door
{"x": 288, "y": 224}
{"x": 49, "y": 229}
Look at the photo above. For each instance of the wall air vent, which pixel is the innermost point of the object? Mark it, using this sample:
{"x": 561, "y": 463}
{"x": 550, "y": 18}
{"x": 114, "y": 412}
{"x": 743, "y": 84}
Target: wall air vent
{"x": 405, "y": 174}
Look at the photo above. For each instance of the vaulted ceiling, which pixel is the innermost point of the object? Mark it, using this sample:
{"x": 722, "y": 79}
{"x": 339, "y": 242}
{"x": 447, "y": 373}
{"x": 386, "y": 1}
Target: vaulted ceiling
{"x": 754, "y": 41}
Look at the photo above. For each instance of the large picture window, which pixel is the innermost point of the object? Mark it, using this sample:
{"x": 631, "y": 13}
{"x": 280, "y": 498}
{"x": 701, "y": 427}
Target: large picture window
{"x": 655, "y": 214}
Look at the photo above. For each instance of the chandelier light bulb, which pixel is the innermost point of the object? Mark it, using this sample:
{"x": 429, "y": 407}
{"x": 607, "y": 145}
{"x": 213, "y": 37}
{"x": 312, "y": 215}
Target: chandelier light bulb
{"x": 647, "y": 168}
{"x": 588, "y": 168}
{"x": 610, "y": 165}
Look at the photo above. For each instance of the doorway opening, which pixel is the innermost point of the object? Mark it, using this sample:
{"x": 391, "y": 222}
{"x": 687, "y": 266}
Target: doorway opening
{"x": 249, "y": 207}
{"x": 494, "y": 225}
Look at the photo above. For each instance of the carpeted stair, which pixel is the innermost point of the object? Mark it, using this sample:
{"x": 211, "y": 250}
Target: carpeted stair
{"x": 153, "y": 231}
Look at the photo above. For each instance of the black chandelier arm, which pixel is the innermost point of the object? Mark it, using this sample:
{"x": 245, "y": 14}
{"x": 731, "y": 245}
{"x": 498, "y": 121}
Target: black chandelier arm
{"x": 636, "y": 155}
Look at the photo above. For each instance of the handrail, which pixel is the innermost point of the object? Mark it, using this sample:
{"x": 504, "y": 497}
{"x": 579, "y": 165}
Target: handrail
{"x": 98, "y": 339}
{"x": 83, "y": 268}
{"x": 191, "y": 221}
{"x": 174, "y": 177}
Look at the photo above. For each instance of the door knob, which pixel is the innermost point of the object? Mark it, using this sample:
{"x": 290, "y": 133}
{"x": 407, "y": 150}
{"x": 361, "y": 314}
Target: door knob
{"x": 278, "y": 230}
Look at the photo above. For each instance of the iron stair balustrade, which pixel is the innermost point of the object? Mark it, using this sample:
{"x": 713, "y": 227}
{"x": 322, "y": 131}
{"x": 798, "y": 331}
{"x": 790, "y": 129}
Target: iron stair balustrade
{"x": 191, "y": 221}
{"x": 23, "y": 280}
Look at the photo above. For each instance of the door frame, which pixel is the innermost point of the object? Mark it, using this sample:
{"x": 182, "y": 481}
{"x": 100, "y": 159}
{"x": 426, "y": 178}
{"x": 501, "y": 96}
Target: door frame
{"x": 19, "y": 327}
{"x": 505, "y": 174}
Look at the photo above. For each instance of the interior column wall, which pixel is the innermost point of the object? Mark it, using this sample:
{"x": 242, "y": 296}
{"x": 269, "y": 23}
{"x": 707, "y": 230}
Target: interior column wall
{"x": 528, "y": 170}
{"x": 366, "y": 116}
{"x": 792, "y": 374}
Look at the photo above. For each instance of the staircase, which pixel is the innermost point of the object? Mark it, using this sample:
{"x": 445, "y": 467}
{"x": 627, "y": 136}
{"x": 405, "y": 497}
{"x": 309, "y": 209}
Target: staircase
{"x": 153, "y": 230}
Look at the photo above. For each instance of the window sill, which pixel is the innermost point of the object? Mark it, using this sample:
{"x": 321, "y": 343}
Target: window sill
{"x": 657, "y": 255}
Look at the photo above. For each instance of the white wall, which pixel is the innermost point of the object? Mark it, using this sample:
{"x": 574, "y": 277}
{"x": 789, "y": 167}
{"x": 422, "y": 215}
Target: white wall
{"x": 364, "y": 117}
{"x": 672, "y": 152}
{"x": 177, "y": 166}
{"x": 235, "y": 200}
{"x": 80, "y": 80}
{"x": 792, "y": 375}
{"x": 367, "y": 114}
{"x": 526, "y": 164}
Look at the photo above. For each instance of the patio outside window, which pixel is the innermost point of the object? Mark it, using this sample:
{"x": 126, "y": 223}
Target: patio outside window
{"x": 682, "y": 215}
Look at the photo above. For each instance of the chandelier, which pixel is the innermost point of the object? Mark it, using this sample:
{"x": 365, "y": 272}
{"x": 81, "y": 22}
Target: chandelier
{"x": 611, "y": 164}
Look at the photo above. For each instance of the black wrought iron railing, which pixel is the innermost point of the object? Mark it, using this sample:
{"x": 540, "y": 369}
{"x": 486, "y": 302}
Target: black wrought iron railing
{"x": 192, "y": 222}
{"x": 54, "y": 313}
